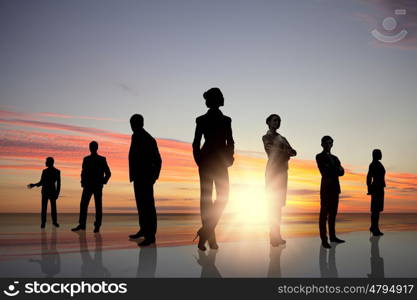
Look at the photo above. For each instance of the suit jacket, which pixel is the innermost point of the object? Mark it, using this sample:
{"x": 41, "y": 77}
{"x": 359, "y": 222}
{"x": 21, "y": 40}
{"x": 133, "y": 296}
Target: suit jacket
{"x": 50, "y": 182}
{"x": 218, "y": 145}
{"x": 95, "y": 171}
{"x": 330, "y": 169}
{"x": 375, "y": 180}
{"x": 279, "y": 152}
{"x": 144, "y": 158}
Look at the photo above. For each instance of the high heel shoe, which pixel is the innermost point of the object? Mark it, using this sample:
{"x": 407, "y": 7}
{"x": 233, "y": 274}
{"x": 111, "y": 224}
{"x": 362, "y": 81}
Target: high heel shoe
{"x": 202, "y": 240}
{"x": 212, "y": 242}
{"x": 376, "y": 232}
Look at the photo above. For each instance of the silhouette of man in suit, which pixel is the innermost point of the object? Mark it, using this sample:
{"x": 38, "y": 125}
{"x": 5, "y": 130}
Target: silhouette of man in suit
{"x": 144, "y": 168}
{"x": 213, "y": 159}
{"x": 375, "y": 181}
{"x": 330, "y": 169}
{"x": 95, "y": 172}
{"x": 51, "y": 186}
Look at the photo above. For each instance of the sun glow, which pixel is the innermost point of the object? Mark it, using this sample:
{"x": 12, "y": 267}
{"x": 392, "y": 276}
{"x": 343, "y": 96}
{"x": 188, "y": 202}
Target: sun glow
{"x": 248, "y": 204}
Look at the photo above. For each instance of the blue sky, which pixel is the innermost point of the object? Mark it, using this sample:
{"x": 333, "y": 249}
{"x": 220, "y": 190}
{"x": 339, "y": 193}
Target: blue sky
{"x": 313, "y": 62}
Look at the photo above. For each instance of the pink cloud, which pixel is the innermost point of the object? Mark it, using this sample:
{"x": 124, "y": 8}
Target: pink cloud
{"x": 64, "y": 127}
{"x": 25, "y": 147}
{"x": 63, "y": 116}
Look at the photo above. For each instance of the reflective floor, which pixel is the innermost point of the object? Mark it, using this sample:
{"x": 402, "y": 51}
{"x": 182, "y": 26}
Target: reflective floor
{"x": 392, "y": 255}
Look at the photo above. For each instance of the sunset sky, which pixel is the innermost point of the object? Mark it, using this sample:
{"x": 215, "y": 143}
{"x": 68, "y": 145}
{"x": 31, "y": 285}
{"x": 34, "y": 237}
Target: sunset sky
{"x": 75, "y": 71}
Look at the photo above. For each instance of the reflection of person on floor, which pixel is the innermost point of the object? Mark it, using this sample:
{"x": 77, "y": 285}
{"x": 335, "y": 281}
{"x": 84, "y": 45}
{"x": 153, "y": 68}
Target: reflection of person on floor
{"x": 207, "y": 263}
{"x": 51, "y": 261}
{"x": 377, "y": 262}
{"x": 328, "y": 266}
{"x": 92, "y": 267}
{"x": 147, "y": 262}
{"x": 274, "y": 270}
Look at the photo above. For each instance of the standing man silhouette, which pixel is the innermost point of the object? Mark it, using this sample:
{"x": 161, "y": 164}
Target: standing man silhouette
{"x": 213, "y": 159}
{"x": 330, "y": 169}
{"x": 144, "y": 168}
{"x": 95, "y": 173}
{"x": 51, "y": 186}
{"x": 375, "y": 180}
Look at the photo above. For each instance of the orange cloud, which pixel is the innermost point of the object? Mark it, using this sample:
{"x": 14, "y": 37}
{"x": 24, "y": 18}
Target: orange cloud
{"x": 25, "y": 143}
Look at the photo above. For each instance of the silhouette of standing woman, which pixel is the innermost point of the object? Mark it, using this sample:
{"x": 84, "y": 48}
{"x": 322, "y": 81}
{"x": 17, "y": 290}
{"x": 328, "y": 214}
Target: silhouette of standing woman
{"x": 375, "y": 180}
{"x": 51, "y": 186}
{"x": 213, "y": 159}
{"x": 279, "y": 152}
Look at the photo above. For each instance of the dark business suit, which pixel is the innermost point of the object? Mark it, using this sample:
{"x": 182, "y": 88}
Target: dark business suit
{"x": 213, "y": 159}
{"x": 144, "y": 168}
{"x": 51, "y": 186}
{"x": 95, "y": 172}
{"x": 330, "y": 169}
{"x": 375, "y": 180}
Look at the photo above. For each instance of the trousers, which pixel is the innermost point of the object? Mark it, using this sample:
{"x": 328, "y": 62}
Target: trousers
{"x": 328, "y": 211}
{"x": 210, "y": 210}
{"x": 145, "y": 203}
{"x": 52, "y": 200}
{"x": 85, "y": 200}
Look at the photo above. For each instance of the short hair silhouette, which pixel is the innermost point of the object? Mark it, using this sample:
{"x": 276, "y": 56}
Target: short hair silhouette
{"x": 93, "y": 147}
{"x": 49, "y": 162}
{"x": 326, "y": 138}
{"x": 214, "y": 98}
{"x": 376, "y": 154}
{"x": 136, "y": 122}
{"x": 268, "y": 120}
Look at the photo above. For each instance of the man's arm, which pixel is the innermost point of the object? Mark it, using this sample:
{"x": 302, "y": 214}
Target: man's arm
{"x": 107, "y": 173}
{"x": 31, "y": 185}
{"x": 369, "y": 177}
{"x": 133, "y": 158}
{"x": 340, "y": 171}
{"x": 83, "y": 170}
{"x": 321, "y": 165}
{"x": 157, "y": 161}
{"x": 58, "y": 183}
